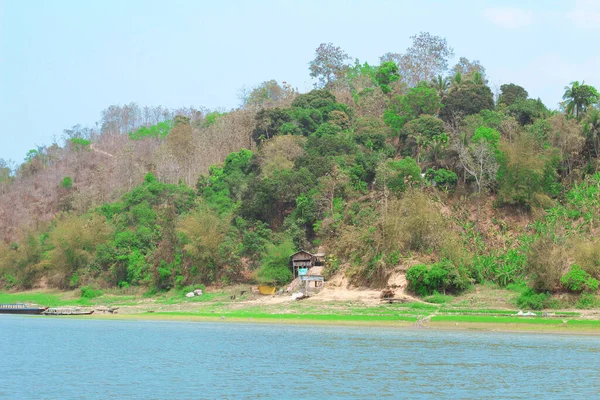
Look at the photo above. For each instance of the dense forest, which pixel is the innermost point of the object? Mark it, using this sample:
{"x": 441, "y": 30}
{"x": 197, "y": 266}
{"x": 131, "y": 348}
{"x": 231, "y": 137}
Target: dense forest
{"x": 411, "y": 165}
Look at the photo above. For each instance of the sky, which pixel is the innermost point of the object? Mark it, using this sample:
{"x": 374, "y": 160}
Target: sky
{"x": 63, "y": 61}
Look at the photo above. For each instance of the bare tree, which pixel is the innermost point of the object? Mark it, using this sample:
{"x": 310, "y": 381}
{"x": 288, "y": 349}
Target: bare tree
{"x": 479, "y": 160}
{"x": 427, "y": 57}
{"x": 329, "y": 64}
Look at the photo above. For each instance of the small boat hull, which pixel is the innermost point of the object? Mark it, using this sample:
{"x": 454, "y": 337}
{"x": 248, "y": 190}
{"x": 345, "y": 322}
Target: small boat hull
{"x": 21, "y": 309}
{"x": 67, "y": 311}
{"x": 266, "y": 289}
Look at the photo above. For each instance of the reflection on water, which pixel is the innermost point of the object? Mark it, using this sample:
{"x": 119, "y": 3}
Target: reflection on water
{"x": 76, "y": 358}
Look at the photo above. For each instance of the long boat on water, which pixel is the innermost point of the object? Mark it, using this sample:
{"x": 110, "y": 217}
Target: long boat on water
{"x": 20, "y": 308}
{"x": 68, "y": 311}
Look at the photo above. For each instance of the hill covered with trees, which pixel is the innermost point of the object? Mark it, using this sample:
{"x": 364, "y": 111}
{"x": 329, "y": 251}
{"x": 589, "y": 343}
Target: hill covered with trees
{"x": 410, "y": 165}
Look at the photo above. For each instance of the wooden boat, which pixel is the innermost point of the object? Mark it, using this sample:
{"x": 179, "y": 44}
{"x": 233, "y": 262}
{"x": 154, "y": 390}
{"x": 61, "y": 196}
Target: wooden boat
{"x": 67, "y": 311}
{"x": 20, "y": 308}
{"x": 267, "y": 289}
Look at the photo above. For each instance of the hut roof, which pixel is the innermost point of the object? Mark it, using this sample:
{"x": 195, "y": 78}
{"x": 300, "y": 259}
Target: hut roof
{"x": 301, "y": 251}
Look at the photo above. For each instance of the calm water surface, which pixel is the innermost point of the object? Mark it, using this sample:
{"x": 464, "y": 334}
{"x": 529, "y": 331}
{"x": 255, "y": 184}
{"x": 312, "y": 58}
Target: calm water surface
{"x": 61, "y": 358}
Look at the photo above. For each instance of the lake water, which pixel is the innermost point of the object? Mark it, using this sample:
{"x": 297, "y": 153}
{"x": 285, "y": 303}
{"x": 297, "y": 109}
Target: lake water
{"x": 61, "y": 358}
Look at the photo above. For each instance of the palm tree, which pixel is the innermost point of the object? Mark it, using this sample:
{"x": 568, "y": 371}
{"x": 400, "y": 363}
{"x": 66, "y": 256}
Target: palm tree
{"x": 591, "y": 127}
{"x": 579, "y": 97}
{"x": 456, "y": 81}
{"x": 441, "y": 84}
{"x": 570, "y": 99}
{"x": 477, "y": 78}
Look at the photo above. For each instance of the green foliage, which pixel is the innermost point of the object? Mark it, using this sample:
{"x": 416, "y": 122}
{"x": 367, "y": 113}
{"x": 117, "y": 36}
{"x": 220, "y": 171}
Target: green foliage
{"x": 8, "y": 281}
{"x": 327, "y": 129}
{"x": 438, "y": 298}
{"x": 502, "y": 268}
{"x": 396, "y": 175}
{"x": 587, "y": 301}
{"x": 87, "y": 292}
{"x": 275, "y": 267}
{"x": 268, "y": 123}
{"x": 422, "y": 133}
{"x": 159, "y": 130}
{"x": 511, "y": 93}
{"x": 211, "y": 118}
{"x": 421, "y": 99}
{"x": 467, "y": 100}
{"x": 443, "y": 178}
{"x": 80, "y": 143}
{"x": 488, "y": 135}
{"x": 439, "y": 277}
{"x": 315, "y": 99}
{"x": 579, "y": 97}
{"x": 577, "y": 280}
{"x": 527, "y": 111}
{"x": 531, "y": 300}
{"x": 386, "y": 74}
{"x": 67, "y": 182}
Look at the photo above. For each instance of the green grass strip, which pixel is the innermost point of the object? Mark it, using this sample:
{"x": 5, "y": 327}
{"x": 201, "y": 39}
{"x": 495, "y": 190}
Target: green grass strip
{"x": 496, "y": 320}
{"x": 311, "y": 317}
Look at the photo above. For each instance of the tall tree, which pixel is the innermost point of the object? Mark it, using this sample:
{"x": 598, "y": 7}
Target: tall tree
{"x": 329, "y": 64}
{"x": 511, "y": 93}
{"x": 578, "y": 97}
{"x": 441, "y": 84}
{"x": 268, "y": 92}
{"x": 387, "y": 73}
{"x": 427, "y": 57}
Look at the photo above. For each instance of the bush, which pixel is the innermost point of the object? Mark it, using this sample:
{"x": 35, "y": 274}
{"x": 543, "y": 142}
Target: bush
{"x": 89, "y": 293}
{"x": 67, "y": 182}
{"x": 8, "y": 281}
{"x": 577, "y": 280}
{"x": 587, "y": 301}
{"x": 398, "y": 174}
{"x": 529, "y": 299}
{"x": 275, "y": 265}
{"x": 442, "y": 177}
{"x": 441, "y": 277}
{"x": 438, "y": 298}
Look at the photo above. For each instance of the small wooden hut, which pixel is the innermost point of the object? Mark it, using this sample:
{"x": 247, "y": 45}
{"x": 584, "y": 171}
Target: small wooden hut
{"x": 303, "y": 260}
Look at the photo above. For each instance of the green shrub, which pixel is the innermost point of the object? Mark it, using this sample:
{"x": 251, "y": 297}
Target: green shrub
{"x": 442, "y": 177}
{"x": 89, "y": 293}
{"x": 415, "y": 277}
{"x": 531, "y": 300}
{"x": 80, "y": 143}
{"x": 500, "y": 268}
{"x": 159, "y": 130}
{"x": 442, "y": 276}
{"x": 587, "y": 301}
{"x": 577, "y": 280}
{"x": 67, "y": 182}
{"x": 8, "y": 280}
{"x": 438, "y": 298}
{"x": 275, "y": 264}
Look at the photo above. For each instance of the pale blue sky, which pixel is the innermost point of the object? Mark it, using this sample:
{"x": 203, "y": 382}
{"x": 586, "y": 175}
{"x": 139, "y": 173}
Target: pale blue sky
{"x": 62, "y": 62}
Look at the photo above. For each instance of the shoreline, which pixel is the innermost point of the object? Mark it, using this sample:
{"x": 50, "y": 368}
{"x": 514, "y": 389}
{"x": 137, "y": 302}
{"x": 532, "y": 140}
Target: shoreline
{"x": 362, "y": 309}
{"x": 531, "y": 326}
